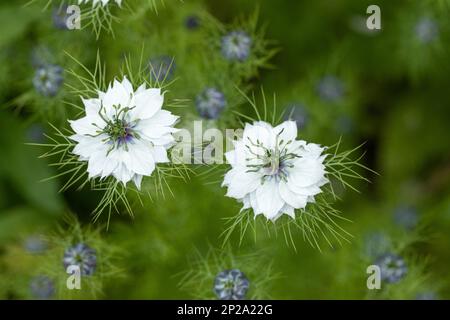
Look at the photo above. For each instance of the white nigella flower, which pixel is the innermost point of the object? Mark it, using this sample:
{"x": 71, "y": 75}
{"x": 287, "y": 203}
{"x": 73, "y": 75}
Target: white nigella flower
{"x": 124, "y": 133}
{"x": 272, "y": 172}
{"x": 103, "y": 2}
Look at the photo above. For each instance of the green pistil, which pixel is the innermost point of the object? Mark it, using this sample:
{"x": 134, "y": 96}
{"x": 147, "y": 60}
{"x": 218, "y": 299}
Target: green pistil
{"x": 44, "y": 77}
{"x": 229, "y": 284}
{"x": 274, "y": 163}
{"x": 117, "y": 130}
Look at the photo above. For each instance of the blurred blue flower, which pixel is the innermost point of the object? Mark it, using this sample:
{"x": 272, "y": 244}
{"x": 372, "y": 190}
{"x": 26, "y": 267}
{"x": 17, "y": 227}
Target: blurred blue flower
{"x": 162, "y": 68}
{"x": 236, "y": 46}
{"x": 428, "y": 295}
{"x": 330, "y": 88}
{"x": 35, "y": 244}
{"x": 48, "y": 79}
{"x": 406, "y": 217}
{"x": 35, "y": 133}
{"x": 298, "y": 113}
{"x": 426, "y": 30}
{"x": 375, "y": 243}
{"x": 83, "y": 256}
{"x": 210, "y": 103}
{"x": 393, "y": 268}
{"x": 42, "y": 287}
{"x": 192, "y": 22}
{"x": 60, "y": 17}
{"x": 231, "y": 285}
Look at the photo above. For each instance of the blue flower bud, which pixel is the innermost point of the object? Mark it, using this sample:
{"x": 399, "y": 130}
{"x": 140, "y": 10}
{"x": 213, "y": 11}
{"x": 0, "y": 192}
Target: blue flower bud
{"x": 210, "y": 103}
{"x": 393, "y": 268}
{"x": 231, "y": 285}
{"x": 236, "y": 46}
{"x": 330, "y": 88}
{"x": 83, "y": 256}
{"x": 48, "y": 79}
{"x": 42, "y": 287}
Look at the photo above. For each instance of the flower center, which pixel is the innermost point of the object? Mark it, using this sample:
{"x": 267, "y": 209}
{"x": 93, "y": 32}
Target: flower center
{"x": 229, "y": 284}
{"x": 235, "y": 41}
{"x": 392, "y": 265}
{"x": 119, "y": 131}
{"x": 274, "y": 163}
{"x": 79, "y": 258}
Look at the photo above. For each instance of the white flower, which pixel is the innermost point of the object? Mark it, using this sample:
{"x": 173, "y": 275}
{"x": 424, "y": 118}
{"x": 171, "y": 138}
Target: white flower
{"x": 103, "y": 2}
{"x": 124, "y": 133}
{"x": 272, "y": 172}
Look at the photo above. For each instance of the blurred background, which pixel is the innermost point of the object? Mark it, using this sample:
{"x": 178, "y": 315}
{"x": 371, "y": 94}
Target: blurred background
{"x": 385, "y": 88}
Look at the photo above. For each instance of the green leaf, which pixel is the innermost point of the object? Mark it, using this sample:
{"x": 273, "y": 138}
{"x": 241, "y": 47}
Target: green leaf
{"x": 22, "y": 168}
{"x": 14, "y": 21}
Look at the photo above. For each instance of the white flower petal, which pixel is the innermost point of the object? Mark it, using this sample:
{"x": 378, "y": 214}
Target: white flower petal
{"x": 264, "y": 124}
{"x": 241, "y": 182}
{"x": 287, "y": 131}
{"x": 96, "y": 164}
{"x": 123, "y": 174}
{"x": 269, "y": 199}
{"x": 141, "y": 88}
{"x": 306, "y": 172}
{"x": 296, "y": 147}
{"x": 137, "y": 179}
{"x": 109, "y": 167}
{"x": 90, "y": 145}
{"x": 151, "y": 132}
{"x": 92, "y": 106}
{"x": 139, "y": 158}
{"x": 287, "y": 209}
{"x": 290, "y": 211}
{"x": 117, "y": 97}
{"x": 127, "y": 86}
{"x": 312, "y": 150}
{"x": 255, "y": 135}
{"x": 238, "y": 156}
{"x": 246, "y": 202}
{"x": 254, "y": 204}
{"x": 306, "y": 191}
{"x": 293, "y": 199}
{"x": 148, "y": 103}
{"x": 84, "y": 126}
{"x": 166, "y": 140}
{"x": 159, "y": 153}
{"x": 162, "y": 118}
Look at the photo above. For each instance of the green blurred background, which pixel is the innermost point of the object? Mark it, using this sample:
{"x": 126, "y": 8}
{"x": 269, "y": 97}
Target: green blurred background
{"x": 389, "y": 90}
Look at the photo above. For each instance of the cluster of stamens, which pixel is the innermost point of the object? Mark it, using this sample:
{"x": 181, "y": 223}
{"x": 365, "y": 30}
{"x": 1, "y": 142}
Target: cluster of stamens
{"x": 274, "y": 163}
{"x": 119, "y": 130}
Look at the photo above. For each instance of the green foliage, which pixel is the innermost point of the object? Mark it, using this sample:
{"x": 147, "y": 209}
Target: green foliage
{"x": 198, "y": 280}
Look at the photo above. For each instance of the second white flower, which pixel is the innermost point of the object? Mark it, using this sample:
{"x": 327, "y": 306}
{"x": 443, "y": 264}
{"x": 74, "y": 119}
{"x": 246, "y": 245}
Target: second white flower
{"x": 272, "y": 172}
